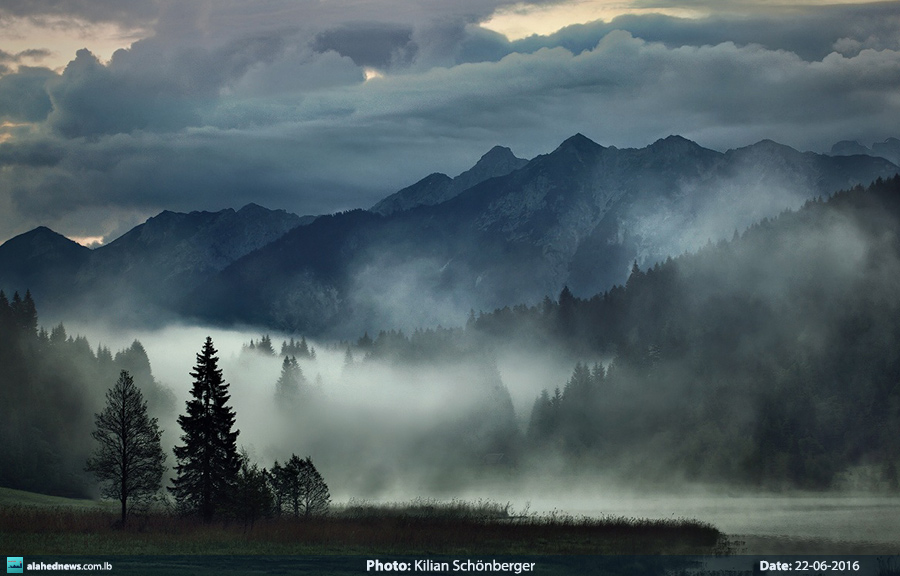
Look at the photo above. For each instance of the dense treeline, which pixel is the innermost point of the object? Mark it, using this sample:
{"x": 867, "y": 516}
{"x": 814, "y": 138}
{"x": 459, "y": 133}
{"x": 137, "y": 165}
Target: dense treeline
{"x": 51, "y": 385}
{"x": 771, "y": 360}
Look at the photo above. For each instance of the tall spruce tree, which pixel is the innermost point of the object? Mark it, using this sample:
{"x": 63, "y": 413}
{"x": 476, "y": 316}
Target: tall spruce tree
{"x": 128, "y": 458}
{"x": 290, "y": 383}
{"x": 208, "y": 461}
{"x": 6, "y": 316}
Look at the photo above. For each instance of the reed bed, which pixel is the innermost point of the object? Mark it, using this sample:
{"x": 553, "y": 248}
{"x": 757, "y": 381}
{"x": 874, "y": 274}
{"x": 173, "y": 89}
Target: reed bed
{"x": 418, "y": 527}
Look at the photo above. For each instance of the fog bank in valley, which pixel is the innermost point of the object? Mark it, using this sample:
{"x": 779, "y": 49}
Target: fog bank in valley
{"x": 376, "y": 428}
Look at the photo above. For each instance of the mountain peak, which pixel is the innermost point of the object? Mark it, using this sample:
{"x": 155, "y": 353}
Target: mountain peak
{"x": 770, "y": 144}
{"x": 42, "y": 242}
{"x": 42, "y": 236}
{"x": 498, "y": 161}
{"x": 496, "y": 154}
{"x": 43, "y": 231}
{"x": 578, "y": 142}
{"x": 675, "y": 145}
{"x": 764, "y": 147}
{"x": 848, "y": 148}
{"x": 674, "y": 140}
{"x": 253, "y": 208}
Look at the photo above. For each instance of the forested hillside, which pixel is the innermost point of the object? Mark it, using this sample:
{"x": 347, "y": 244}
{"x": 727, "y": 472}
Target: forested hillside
{"x": 51, "y": 384}
{"x": 769, "y": 360}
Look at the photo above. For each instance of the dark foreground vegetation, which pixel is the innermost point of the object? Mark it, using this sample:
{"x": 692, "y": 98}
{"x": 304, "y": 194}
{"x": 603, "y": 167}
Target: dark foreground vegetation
{"x": 418, "y": 528}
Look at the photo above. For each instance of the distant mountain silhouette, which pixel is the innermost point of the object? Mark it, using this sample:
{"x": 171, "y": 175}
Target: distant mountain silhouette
{"x": 578, "y": 216}
{"x": 41, "y": 260}
{"x": 144, "y": 271}
{"x": 889, "y": 149}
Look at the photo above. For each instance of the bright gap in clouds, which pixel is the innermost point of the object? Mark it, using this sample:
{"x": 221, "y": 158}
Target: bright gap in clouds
{"x": 6, "y": 129}
{"x": 523, "y": 19}
{"x": 88, "y": 241}
{"x": 63, "y": 37}
{"x": 371, "y": 73}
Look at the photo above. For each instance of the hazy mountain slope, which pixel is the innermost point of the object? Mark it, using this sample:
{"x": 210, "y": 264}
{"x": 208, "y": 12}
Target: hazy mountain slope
{"x": 436, "y": 188}
{"x": 771, "y": 359}
{"x": 889, "y": 149}
{"x": 143, "y": 272}
{"x": 41, "y": 261}
{"x": 671, "y": 209}
{"x": 174, "y": 243}
{"x": 578, "y": 215}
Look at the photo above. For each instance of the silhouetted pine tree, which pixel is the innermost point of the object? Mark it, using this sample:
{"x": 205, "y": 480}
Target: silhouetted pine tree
{"x": 290, "y": 382}
{"x": 544, "y": 419}
{"x": 265, "y": 345}
{"x": 6, "y": 316}
{"x": 348, "y": 357}
{"x": 208, "y": 461}
{"x": 299, "y": 349}
{"x": 24, "y": 313}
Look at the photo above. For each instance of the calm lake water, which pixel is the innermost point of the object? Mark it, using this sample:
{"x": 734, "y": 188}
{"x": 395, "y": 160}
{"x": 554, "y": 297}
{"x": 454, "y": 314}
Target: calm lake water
{"x": 862, "y": 524}
{"x": 765, "y": 523}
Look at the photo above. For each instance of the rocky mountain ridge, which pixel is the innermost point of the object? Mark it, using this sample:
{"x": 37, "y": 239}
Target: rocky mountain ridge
{"x": 580, "y": 216}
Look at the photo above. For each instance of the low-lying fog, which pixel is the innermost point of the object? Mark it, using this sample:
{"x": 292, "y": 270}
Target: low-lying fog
{"x": 373, "y": 428}
{"x": 391, "y": 432}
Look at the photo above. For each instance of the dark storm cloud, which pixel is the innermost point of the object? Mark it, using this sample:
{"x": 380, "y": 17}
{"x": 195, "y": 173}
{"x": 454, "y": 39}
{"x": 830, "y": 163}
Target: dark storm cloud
{"x": 146, "y": 88}
{"x": 33, "y": 154}
{"x": 369, "y": 44}
{"x": 91, "y": 99}
{"x": 23, "y": 95}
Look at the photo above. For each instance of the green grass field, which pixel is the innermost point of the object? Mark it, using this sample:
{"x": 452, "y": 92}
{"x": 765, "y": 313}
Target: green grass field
{"x": 40, "y": 525}
{"x": 10, "y": 497}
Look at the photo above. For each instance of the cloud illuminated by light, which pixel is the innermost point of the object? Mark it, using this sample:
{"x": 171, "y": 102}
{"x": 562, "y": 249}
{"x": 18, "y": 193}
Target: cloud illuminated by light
{"x": 65, "y": 36}
{"x": 88, "y": 241}
{"x": 372, "y": 73}
{"x": 524, "y": 19}
{"x": 7, "y": 128}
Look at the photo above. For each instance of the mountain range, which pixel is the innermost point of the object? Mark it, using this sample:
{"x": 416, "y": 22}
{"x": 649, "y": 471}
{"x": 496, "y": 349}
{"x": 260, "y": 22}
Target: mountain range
{"x": 889, "y": 149}
{"x": 507, "y": 231}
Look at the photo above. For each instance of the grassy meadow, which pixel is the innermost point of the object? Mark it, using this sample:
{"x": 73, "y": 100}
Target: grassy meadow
{"x": 34, "y": 524}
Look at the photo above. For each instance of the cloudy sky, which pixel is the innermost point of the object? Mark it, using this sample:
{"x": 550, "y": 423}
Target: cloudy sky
{"x": 113, "y": 110}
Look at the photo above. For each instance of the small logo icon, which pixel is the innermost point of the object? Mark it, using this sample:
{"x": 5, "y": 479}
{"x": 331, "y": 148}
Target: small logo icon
{"x": 15, "y": 565}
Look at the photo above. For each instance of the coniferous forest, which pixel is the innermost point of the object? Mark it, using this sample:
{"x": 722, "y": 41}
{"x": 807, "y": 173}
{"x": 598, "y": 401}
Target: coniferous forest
{"x": 51, "y": 385}
{"x": 772, "y": 360}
